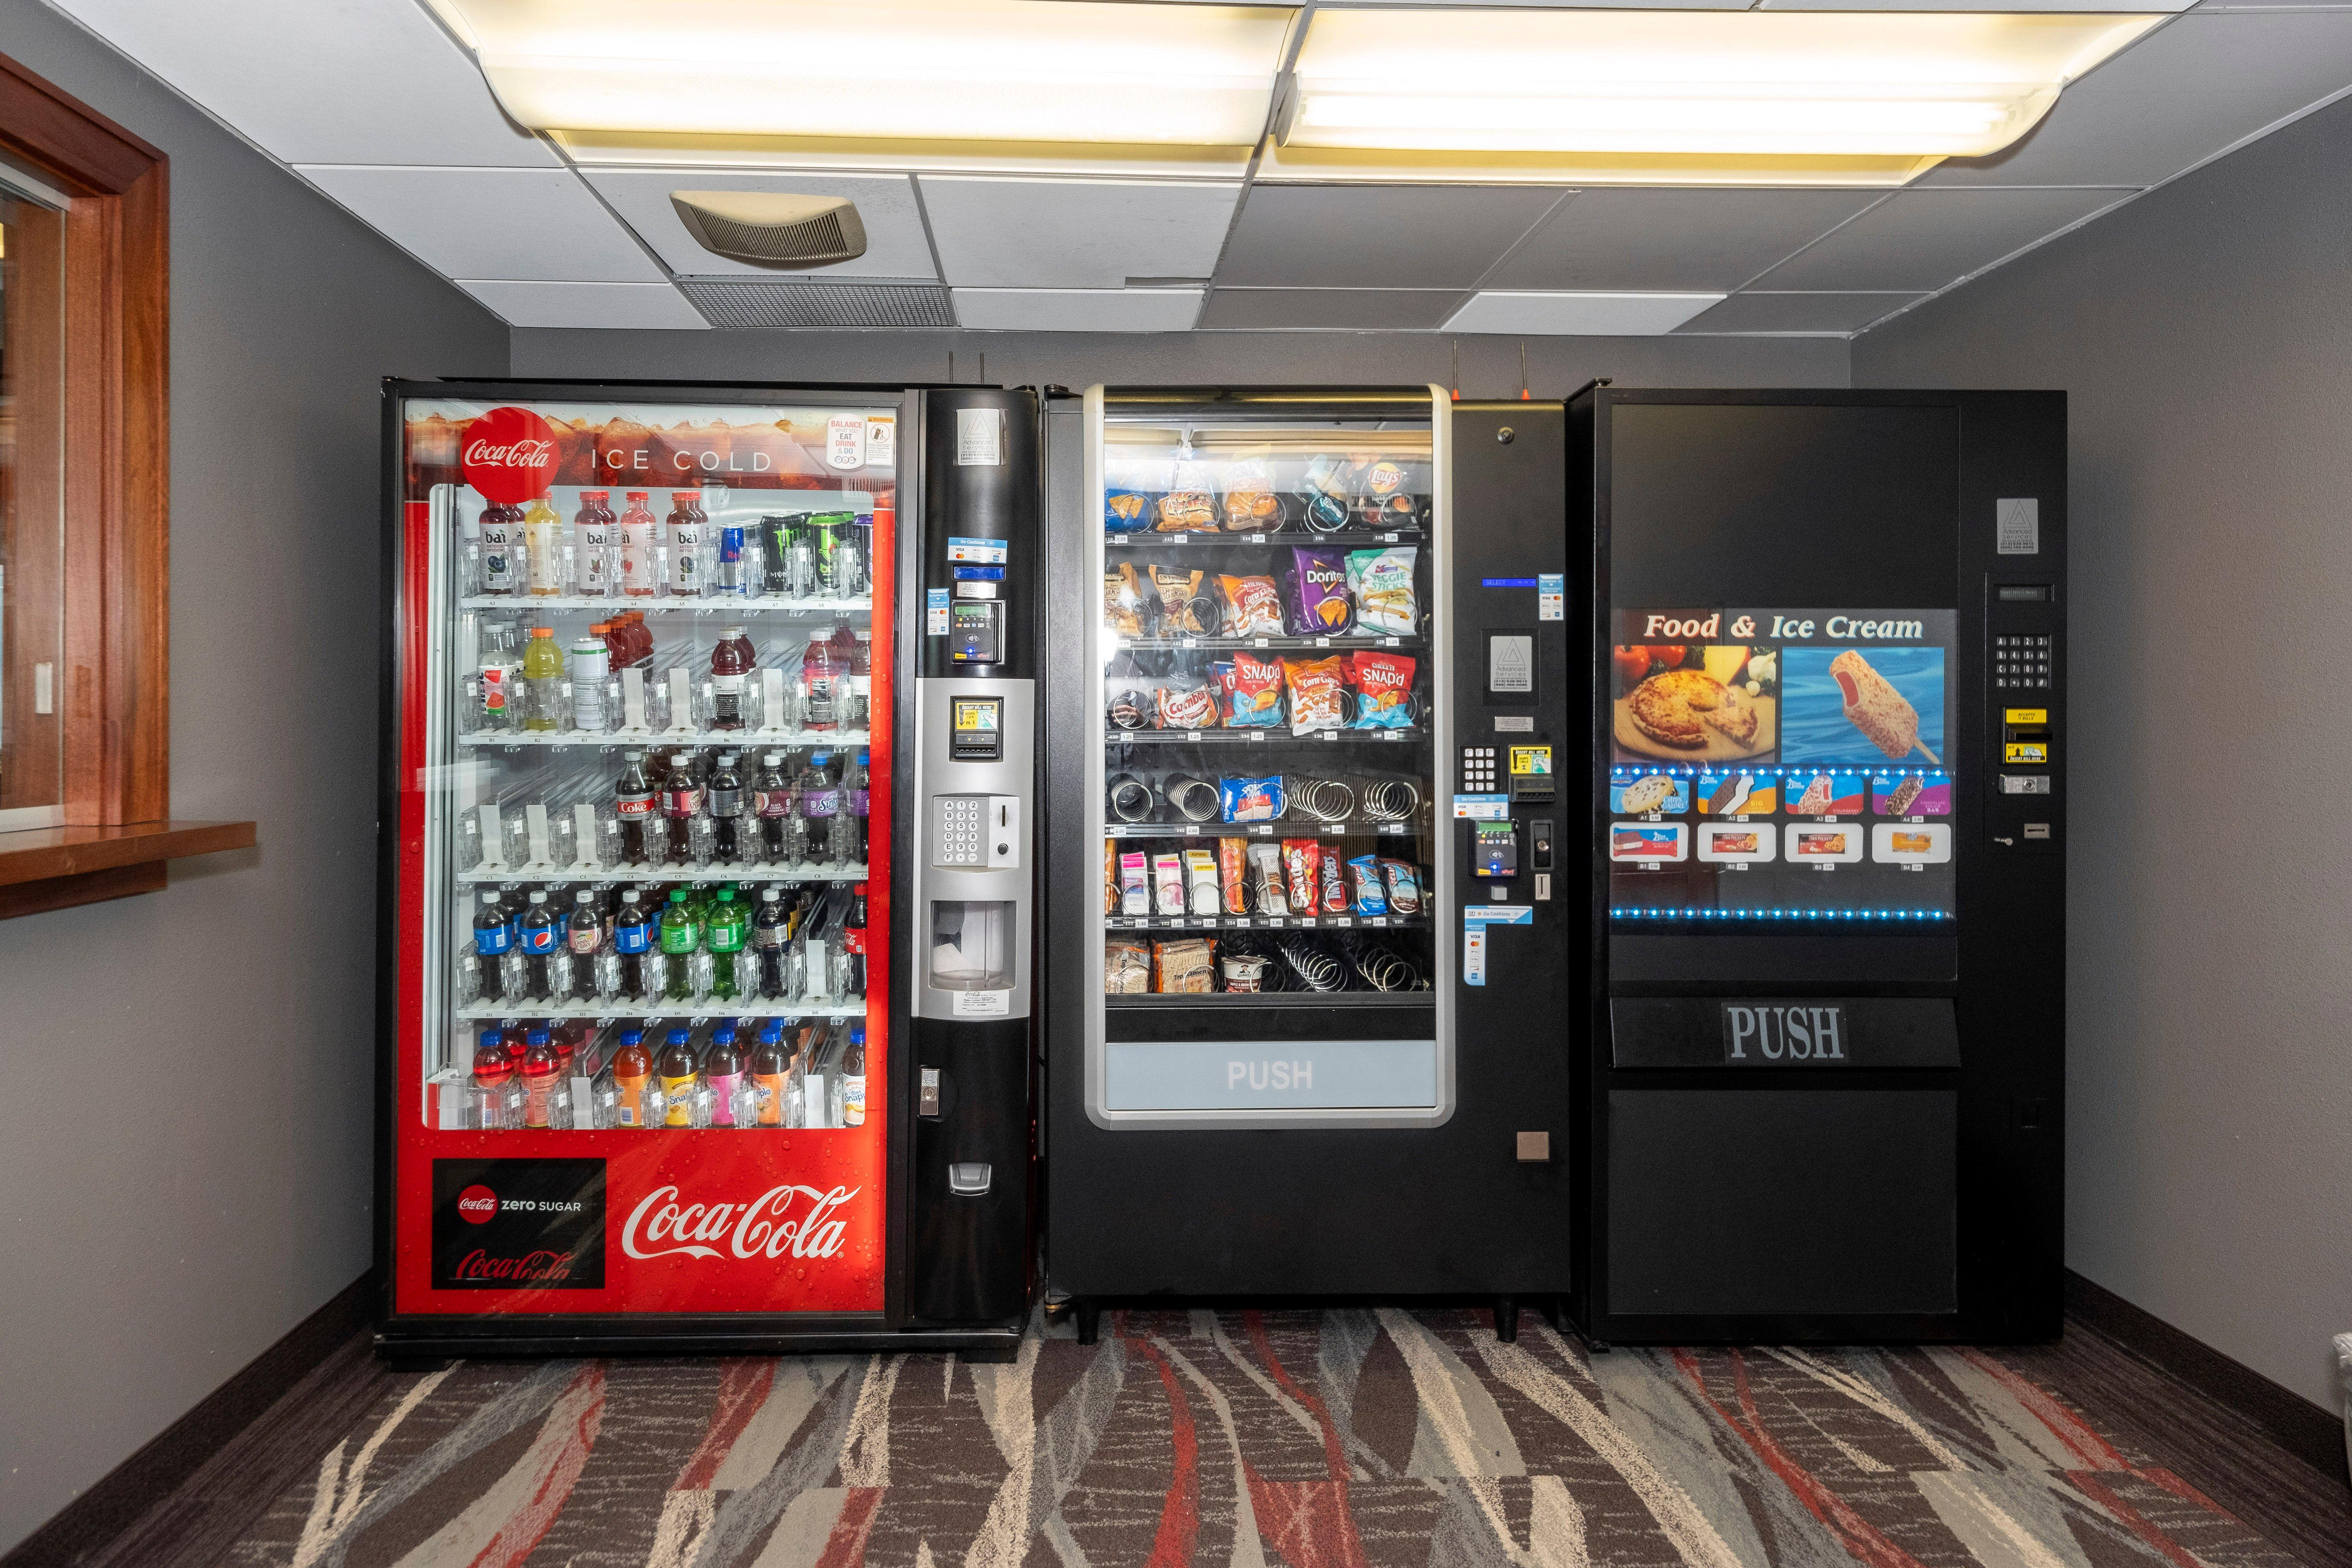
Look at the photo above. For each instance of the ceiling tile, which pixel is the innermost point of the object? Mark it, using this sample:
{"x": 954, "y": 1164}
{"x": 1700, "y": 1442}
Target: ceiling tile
{"x": 1378, "y": 236}
{"x": 2078, "y": 7}
{"x": 535, "y": 224}
{"x": 1398, "y": 310}
{"x": 1078, "y": 310}
{"x": 1672, "y": 238}
{"x": 894, "y": 246}
{"x": 1797, "y": 312}
{"x": 601, "y": 305}
{"x": 1596, "y": 315}
{"x": 323, "y": 81}
{"x": 1075, "y": 233}
{"x": 1920, "y": 240}
{"x": 2197, "y": 84}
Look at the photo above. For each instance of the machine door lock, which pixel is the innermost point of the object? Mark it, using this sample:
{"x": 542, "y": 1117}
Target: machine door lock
{"x": 927, "y": 1098}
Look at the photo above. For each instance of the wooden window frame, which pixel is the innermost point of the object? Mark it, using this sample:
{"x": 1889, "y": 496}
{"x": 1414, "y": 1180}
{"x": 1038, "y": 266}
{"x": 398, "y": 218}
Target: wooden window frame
{"x": 114, "y": 693}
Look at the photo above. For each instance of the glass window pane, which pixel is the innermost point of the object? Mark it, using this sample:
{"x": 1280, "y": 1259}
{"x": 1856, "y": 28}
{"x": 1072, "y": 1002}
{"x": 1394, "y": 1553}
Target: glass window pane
{"x": 32, "y": 538}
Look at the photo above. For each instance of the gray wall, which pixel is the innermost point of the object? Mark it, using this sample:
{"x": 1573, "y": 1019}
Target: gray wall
{"x": 2204, "y": 334}
{"x": 1490, "y": 366}
{"x": 186, "y": 1158}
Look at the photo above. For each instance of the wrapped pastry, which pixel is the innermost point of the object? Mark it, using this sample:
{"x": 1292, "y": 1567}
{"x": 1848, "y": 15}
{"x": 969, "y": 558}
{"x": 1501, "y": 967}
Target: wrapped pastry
{"x": 1183, "y": 610}
{"x": 1127, "y": 966}
{"x": 1185, "y": 966}
{"x": 1123, "y": 600}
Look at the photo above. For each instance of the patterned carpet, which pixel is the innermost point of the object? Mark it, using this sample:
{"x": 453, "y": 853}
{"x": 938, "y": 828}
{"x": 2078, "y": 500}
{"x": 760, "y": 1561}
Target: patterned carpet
{"x": 1316, "y": 1439}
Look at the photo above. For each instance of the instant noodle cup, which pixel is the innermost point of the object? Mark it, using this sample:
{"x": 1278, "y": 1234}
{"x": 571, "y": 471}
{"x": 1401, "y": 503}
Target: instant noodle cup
{"x": 1383, "y": 686}
{"x": 1315, "y": 702}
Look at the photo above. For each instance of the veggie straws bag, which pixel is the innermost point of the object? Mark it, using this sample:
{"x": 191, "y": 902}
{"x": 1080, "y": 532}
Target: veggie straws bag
{"x": 1381, "y": 581}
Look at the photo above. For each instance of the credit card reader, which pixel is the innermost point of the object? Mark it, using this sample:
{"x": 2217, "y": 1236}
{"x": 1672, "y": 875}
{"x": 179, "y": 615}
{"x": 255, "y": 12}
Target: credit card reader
{"x": 976, "y": 631}
{"x": 1494, "y": 851}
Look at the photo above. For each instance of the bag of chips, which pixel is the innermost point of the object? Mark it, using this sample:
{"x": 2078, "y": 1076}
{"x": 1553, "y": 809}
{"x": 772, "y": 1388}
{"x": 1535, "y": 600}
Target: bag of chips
{"x": 1315, "y": 702}
{"x": 1132, "y": 485}
{"x": 1182, "y": 606}
{"x": 1188, "y": 507}
{"x": 1381, "y": 584}
{"x": 1253, "y": 607}
{"x": 1319, "y": 594}
{"x": 1255, "y": 694}
{"x": 1187, "y": 703}
{"x": 1125, "y": 511}
{"x": 1251, "y": 800}
{"x": 1383, "y": 686}
{"x": 1123, "y": 600}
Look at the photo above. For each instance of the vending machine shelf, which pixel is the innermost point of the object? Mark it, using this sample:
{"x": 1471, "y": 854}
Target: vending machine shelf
{"x": 1354, "y": 828}
{"x": 1420, "y": 1001}
{"x": 588, "y": 871}
{"x": 709, "y": 604}
{"x": 663, "y": 740}
{"x": 1337, "y": 642}
{"x": 1243, "y": 737}
{"x": 602, "y": 1009}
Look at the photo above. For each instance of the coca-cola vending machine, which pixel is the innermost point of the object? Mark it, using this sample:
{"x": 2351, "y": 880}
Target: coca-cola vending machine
{"x": 656, "y": 1070}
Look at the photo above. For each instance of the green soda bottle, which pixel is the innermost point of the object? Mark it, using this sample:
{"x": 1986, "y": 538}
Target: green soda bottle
{"x": 725, "y": 939}
{"x": 678, "y": 945}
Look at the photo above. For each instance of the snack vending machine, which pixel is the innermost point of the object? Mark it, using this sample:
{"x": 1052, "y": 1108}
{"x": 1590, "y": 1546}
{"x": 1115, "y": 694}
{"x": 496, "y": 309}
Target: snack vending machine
{"x": 1820, "y": 1091}
{"x": 657, "y": 1041}
{"x": 1301, "y": 848}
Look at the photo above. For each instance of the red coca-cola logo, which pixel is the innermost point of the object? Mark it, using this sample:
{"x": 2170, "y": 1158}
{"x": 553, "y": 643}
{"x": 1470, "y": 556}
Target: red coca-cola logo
{"x": 476, "y": 1203}
{"x": 531, "y": 1267}
{"x": 509, "y": 455}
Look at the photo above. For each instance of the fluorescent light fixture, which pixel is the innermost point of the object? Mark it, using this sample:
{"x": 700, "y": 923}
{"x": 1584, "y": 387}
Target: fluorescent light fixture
{"x": 1040, "y": 72}
{"x": 1685, "y": 85}
{"x": 1581, "y": 313}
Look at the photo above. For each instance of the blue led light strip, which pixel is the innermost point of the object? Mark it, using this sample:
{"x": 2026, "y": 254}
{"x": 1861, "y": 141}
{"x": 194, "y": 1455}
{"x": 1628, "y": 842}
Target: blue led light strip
{"x": 1624, "y": 912}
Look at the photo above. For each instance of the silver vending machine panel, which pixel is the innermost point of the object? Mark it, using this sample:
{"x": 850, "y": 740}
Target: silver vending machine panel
{"x": 973, "y": 771}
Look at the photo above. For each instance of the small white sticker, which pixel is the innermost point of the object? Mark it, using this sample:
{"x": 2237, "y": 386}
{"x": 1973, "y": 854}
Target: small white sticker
{"x": 975, "y": 590}
{"x": 1482, "y": 807}
{"x": 1551, "y": 595}
{"x": 844, "y": 441}
{"x": 1474, "y": 954}
{"x": 2017, "y": 525}
{"x": 934, "y": 611}
{"x": 977, "y": 552}
{"x": 982, "y": 1004}
{"x": 979, "y": 437}
{"x": 881, "y": 442}
{"x": 1515, "y": 723}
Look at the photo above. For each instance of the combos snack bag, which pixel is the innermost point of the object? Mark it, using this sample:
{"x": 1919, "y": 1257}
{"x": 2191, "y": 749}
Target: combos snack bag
{"x": 1319, "y": 594}
{"x": 1255, "y": 690}
{"x": 1188, "y": 702}
{"x": 1253, "y": 607}
{"x": 1315, "y": 699}
{"x": 1383, "y": 683}
{"x": 1381, "y": 581}
{"x": 1251, "y": 800}
{"x": 1181, "y": 607}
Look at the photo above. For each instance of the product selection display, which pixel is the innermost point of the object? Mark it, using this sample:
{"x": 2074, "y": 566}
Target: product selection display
{"x": 1264, "y": 590}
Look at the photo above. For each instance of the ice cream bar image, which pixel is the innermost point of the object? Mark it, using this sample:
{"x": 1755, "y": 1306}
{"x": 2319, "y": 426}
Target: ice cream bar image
{"x": 1874, "y": 707}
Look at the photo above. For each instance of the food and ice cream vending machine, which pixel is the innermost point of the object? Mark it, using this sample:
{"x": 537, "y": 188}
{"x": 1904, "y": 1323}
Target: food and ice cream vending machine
{"x": 1821, "y": 1073}
{"x": 1310, "y": 737}
{"x": 704, "y": 836}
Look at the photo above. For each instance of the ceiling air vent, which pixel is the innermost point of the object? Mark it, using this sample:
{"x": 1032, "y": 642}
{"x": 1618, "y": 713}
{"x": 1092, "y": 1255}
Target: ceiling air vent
{"x": 817, "y": 302}
{"x": 761, "y": 228}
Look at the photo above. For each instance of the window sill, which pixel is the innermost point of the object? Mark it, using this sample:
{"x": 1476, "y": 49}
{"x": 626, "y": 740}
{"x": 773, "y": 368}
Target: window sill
{"x": 58, "y": 867}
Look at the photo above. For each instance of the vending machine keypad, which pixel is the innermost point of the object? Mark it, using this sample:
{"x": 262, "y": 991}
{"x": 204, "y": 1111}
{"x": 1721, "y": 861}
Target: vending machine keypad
{"x": 1477, "y": 770}
{"x": 2022, "y": 661}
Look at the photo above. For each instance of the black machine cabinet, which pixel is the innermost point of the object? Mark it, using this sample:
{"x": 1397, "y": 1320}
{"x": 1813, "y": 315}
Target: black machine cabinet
{"x": 1820, "y": 1085}
{"x": 1159, "y": 1186}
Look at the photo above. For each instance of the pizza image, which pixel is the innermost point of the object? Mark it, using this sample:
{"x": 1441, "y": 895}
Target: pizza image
{"x": 1678, "y": 708}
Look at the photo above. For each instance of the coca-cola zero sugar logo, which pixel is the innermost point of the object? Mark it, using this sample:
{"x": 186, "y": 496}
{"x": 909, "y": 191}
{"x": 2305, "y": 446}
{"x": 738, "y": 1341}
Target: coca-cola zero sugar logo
{"x": 509, "y": 455}
{"x": 476, "y": 1203}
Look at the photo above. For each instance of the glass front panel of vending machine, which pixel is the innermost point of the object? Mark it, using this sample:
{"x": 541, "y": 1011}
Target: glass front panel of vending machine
{"x": 1265, "y": 670}
{"x": 642, "y": 862}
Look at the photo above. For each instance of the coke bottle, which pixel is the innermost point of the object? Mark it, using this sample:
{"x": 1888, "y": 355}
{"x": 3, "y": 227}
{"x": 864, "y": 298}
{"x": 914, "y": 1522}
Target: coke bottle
{"x": 641, "y": 571}
{"x": 730, "y": 665}
{"x": 685, "y": 542}
{"x": 632, "y": 803}
{"x": 820, "y": 803}
{"x": 723, "y": 1070}
{"x": 727, "y": 835}
{"x": 772, "y": 932}
{"x": 592, "y": 533}
{"x": 494, "y": 1098}
{"x": 538, "y": 934}
{"x": 853, "y": 941}
{"x": 680, "y": 799}
{"x": 771, "y": 1069}
{"x": 492, "y": 938}
{"x": 677, "y": 1074}
{"x": 501, "y": 525}
{"x": 633, "y": 938}
{"x": 541, "y": 1078}
{"x": 771, "y": 805}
